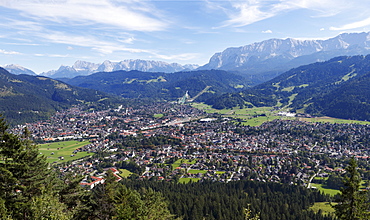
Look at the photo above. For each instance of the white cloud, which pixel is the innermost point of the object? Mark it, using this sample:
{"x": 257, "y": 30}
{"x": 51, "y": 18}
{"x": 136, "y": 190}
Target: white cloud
{"x": 247, "y": 12}
{"x": 7, "y": 52}
{"x": 128, "y": 15}
{"x": 104, "y": 47}
{"x": 51, "y": 55}
{"x": 354, "y": 25}
{"x": 267, "y": 32}
{"x": 184, "y": 56}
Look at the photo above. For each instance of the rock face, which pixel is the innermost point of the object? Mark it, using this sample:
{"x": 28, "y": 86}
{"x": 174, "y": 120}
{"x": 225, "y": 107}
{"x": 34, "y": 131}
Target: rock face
{"x": 17, "y": 70}
{"x": 283, "y": 54}
{"x": 87, "y": 68}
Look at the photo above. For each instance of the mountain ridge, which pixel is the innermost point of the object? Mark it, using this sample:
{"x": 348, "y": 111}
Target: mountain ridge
{"x": 283, "y": 54}
{"x": 26, "y": 98}
{"x": 87, "y": 68}
{"x": 316, "y": 88}
{"x": 168, "y": 86}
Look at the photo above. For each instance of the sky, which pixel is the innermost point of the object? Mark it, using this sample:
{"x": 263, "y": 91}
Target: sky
{"x": 42, "y": 35}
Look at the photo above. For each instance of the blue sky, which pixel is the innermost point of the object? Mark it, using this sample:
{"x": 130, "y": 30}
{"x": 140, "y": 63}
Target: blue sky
{"x": 43, "y": 34}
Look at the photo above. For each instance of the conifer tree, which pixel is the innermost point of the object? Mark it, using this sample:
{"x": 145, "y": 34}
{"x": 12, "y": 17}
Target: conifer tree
{"x": 24, "y": 174}
{"x": 352, "y": 204}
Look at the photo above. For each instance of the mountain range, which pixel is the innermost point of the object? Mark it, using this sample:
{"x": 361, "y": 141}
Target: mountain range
{"x": 83, "y": 68}
{"x": 269, "y": 58}
{"x": 17, "y": 70}
{"x": 157, "y": 85}
{"x": 258, "y": 61}
{"x": 25, "y": 98}
{"x": 337, "y": 88}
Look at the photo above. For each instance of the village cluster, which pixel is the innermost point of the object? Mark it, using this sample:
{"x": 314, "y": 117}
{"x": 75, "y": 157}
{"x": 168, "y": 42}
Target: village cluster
{"x": 203, "y": 146}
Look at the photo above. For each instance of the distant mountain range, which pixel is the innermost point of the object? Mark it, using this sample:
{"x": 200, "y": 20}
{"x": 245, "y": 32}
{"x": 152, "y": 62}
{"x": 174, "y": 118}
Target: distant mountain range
{"x": 167, "y": 86}
{"x": 17, "y": 70}
{"x": 83, "y": 68}
{"x": 258, "y": 62}
{"x": 25, "y": 98}
{"x": 337, "y": 88}
{"x": 269, "y": 58}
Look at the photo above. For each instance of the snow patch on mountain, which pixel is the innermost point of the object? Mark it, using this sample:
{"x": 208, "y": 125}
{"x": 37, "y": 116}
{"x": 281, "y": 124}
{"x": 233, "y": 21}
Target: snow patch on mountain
{"x": 87, "y": 68}
{"x": 17, "y": 69}
{"x": 275, "y": 54}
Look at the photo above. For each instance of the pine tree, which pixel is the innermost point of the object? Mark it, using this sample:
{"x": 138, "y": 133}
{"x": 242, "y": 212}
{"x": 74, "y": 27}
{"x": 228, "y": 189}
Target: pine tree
{"x": 352, "y": 204}
{"x": 24, "y": 174}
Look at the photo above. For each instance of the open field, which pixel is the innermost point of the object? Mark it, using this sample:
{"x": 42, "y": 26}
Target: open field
{"x": 181, "y": 161}
{"x": 187, "y": 180}
{"x": 324, "y": 206}
{"x": 124, "y": 173}
{"x": 331, "y": 192}
{"x": 158, "y": 115}
{"x": 65, "y": 149}
{"x": 197, "y": 171}
{"x": 257, "y": 116}
{"x": 335, "y": 120}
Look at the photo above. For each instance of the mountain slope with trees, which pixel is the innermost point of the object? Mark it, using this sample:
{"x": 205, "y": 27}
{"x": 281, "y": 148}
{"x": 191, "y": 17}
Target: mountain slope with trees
{"x": 336, "y": 88}
{"x": 168, "y": 86}
{"x": 25, "y": 98}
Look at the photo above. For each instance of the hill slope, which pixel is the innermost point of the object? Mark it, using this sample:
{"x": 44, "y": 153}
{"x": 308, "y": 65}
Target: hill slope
{"x": 318, "y": 88}
{"x": 169, "y": 86}
{"x": 25, "y": 98}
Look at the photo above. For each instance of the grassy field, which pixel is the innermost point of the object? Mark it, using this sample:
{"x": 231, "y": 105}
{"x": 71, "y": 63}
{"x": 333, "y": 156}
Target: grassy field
{"x": 62, "y": 149}
{"x": 187, "y": 180}
{"x": 324, "y": 206}
{"x": 331, "y": 192}
{"x": 181, "y": 161}
{"x": 124, "y": 173}
{"x": 197, "y": 171}
{"x": 252, "y": 116}
{"x": 335, "y": 120}
{"x": 158, "y": 115}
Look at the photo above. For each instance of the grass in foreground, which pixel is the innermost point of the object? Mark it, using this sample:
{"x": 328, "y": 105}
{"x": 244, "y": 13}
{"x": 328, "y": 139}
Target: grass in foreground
{"x": 65, "y": 149}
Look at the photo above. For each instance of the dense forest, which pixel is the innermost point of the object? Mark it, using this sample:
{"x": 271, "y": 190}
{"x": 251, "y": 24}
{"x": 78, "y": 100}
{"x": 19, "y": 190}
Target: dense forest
{"x": 212, "y": 200}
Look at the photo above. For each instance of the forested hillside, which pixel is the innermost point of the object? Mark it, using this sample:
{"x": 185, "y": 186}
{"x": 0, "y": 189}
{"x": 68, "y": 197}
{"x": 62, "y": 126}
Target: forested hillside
{"x": 25, "y": 98}
{"x": 168, "y": 86}
{"x": 318, "y": 88}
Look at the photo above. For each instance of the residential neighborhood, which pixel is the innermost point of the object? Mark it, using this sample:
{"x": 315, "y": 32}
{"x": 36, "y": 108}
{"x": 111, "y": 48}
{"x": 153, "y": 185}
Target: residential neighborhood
{"x": 173, "y": 142}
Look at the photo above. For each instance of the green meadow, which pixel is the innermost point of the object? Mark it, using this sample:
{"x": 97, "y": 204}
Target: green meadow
{"x": 187, "y": 180}
{"x": 331, "y": 192}
{"x": 178, "y": 162}
{"x": 258, "y": 115}
{"x": 124, "y": 173}
{"x": 325, "y": 207}
{"x": 65, "y": 149}
{"x": 198, "y": 171}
